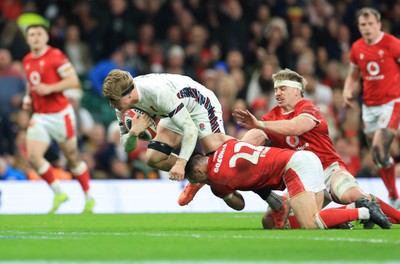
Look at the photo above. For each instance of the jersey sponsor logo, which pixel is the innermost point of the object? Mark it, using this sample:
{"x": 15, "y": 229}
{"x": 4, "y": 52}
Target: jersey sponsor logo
{"x": 34, "y": 78}
{"x": 373, "y": 70}
{"x": 294, "y": 141}
{"x": 306, "y": 145}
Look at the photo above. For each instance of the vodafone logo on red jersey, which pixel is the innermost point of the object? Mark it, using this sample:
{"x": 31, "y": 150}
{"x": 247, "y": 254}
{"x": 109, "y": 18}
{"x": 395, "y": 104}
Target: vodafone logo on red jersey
{"x": 34, "y": 77}
{"x": 292, "y": 141}
{"x": 373, "y": 68}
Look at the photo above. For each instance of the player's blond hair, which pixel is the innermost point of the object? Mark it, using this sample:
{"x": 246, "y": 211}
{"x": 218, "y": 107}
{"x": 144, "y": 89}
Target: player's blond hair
{"x": 368, "y": 11}
{"x": 116, "y": 83}
{"x": 290, "y": 75}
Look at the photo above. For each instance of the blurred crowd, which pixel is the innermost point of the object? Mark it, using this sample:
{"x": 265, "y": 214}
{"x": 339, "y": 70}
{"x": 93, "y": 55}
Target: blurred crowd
{"x": 231, "y": 46}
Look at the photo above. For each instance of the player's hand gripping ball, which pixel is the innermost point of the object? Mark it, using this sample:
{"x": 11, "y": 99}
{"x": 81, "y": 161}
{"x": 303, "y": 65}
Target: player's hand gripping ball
{"x": 146, "y": 135}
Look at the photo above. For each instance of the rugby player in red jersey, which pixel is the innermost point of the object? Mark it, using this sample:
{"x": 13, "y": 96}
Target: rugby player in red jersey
{"x": 49, "y": 73}
{"x": 375, "y": 57}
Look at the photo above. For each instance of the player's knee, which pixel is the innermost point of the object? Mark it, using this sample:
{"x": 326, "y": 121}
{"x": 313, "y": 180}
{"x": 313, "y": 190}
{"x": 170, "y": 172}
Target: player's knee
{"x": 151, "y": 159}
{"x": 72, "y": 156}
{"x": 34, "y": 160}
{"x": 344, "y": 187}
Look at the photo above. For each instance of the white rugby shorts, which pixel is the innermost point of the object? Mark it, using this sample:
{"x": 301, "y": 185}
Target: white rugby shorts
{"x": 304, "y": 173}
{"x": 381, "y": 116}
{"x": 59, "y": 126}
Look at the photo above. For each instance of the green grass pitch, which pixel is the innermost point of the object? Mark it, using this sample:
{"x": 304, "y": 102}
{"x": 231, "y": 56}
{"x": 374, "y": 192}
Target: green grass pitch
{"x": 184, "y": 238}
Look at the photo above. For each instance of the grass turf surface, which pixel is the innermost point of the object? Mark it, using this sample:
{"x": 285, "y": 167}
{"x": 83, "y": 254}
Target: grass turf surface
{"x": 205, "y": 237}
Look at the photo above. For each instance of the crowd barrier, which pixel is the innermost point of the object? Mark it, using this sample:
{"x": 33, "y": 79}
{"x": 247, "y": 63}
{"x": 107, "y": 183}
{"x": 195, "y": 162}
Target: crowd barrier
{"x": 130, "y": 196}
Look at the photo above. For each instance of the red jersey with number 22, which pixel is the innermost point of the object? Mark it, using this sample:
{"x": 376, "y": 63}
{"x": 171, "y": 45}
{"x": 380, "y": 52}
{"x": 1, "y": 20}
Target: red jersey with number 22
{"x": 316, "y": 140}
{"x": 238, "y": 165}
{"x": 46, "y": 68}
{"x": 379, "y": 65}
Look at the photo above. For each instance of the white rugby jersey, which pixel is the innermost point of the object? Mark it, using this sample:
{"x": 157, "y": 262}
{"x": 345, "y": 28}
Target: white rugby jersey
{"x": 162, "y": 95}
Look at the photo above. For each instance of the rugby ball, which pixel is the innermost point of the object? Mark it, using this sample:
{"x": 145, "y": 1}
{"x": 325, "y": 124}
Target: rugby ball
{"x": 131, "y": 113}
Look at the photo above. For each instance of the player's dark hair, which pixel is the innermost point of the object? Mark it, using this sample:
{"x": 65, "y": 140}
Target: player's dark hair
{"x": 194, "y": 160}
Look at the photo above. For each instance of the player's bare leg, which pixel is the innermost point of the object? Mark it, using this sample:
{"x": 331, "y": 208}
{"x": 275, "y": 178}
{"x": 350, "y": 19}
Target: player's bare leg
{"x": 36, "y": 150}
{"x": 380, "y": 146}
{"x": 158, "y": 154}
{"x": 212, "y": 142}
{"x": 79, "y": 170}
{"x": 305, "y": 207}
{"x": 160, "y": 161}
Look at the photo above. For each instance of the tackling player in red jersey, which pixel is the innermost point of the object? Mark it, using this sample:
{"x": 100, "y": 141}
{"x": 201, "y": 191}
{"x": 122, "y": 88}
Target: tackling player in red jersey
{"x": 375, "y": 57}
{"x": 239, "y": 165}
{"x": 49, "y": 73}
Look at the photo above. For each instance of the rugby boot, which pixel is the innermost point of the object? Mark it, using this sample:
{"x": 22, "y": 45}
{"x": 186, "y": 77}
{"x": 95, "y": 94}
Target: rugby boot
{"x": 89, "y": 205}
{"x": 59, "y": 199}
{"x": 376, "y": 214}
{"x": 188, "y": 193}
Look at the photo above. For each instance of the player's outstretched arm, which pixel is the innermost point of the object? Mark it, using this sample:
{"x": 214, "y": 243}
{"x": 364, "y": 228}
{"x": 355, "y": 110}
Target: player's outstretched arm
{"x": 245, "y": 119}
{"x": 294, "y": 127}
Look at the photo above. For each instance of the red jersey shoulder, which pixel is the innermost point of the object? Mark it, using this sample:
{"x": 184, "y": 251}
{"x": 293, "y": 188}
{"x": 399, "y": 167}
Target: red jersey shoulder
{"x": 355, "y": 48}
{"x": 388, "y": 42}
{"x": 393, "y": 44}
{"x": 307, "y": 107}
{"x": 359, "y": 42}
{"x": 57, "y": 55}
